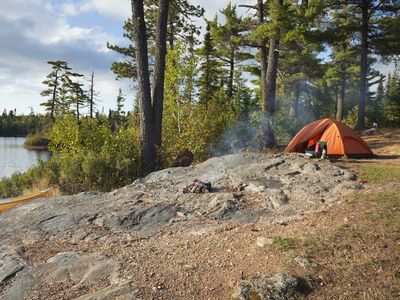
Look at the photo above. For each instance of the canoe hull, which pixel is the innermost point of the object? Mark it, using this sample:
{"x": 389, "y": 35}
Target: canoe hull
{"x": 6, "y": 204}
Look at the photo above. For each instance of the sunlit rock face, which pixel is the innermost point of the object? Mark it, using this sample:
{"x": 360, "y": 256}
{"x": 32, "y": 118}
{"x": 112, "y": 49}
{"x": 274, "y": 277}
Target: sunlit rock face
{"x": 246, "y": 188}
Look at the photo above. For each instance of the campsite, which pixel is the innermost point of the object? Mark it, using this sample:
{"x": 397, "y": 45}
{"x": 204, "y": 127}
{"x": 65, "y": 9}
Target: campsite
{"x": 211, "y": 246}
{"x": 199, "y": 149}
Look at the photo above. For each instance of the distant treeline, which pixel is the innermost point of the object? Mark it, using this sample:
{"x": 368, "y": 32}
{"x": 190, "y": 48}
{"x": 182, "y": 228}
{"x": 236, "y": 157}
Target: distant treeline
{"x": 12, "y": 124}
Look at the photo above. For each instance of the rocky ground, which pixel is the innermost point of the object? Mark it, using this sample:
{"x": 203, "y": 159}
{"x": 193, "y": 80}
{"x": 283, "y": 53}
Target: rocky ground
{"x": 296, "y": 228}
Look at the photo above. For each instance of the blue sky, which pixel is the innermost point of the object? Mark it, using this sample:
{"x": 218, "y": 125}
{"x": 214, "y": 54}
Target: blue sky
{"x": 35, "y": 31}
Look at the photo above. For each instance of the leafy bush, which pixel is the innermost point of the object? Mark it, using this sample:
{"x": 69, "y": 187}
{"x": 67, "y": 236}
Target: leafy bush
{"x": 85, "y": 156}
{"x": 18, "y": 182}
{"x": 96, "y": 159}
{"x": 64, "y": 136}
{"x": 36, "y": 141}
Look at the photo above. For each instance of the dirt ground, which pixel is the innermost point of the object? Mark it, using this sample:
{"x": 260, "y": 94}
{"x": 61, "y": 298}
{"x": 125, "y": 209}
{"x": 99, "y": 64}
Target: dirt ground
{"x": 353, "y": 248}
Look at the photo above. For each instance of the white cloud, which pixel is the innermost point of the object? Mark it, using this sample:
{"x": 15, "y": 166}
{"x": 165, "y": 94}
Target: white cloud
{"x": 119, "y": 9}
{"x": 33, "y": 32}
{"x": 70, "y": 9}
{"x": 115, "y": 9}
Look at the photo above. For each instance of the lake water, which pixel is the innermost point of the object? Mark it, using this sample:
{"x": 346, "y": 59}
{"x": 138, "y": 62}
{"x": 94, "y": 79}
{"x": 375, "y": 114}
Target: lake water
{"x": 15, "y": 158}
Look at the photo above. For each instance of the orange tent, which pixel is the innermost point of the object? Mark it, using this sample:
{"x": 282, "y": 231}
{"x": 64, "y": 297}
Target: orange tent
{"x": 340, "y": 139}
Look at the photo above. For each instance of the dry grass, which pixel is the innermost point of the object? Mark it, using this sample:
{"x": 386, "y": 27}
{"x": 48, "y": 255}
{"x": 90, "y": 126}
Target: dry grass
{"x": 41, "y": 185}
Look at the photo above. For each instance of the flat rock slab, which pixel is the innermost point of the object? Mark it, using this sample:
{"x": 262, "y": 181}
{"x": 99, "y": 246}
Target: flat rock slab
{"x": 120, "y": 292}
{"x": 78, "y": 269}
{"x": 247, "y": 188}
{"x": 276, "y": 188}
{"x": 9, "y": 265}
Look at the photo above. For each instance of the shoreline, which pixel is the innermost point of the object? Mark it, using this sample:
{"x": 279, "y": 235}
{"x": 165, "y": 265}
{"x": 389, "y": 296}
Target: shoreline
{"x": 36, "y": 148}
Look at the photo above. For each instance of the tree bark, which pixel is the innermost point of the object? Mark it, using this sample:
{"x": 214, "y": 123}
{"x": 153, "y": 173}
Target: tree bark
{"x": 159, "y": 70}
{"x": 91, "y": 94}
{"x": 294, "y": 104}
{"x": 269, "y": 101}
{"x": 340, "y": 100}
{"x": 263, "y": 69}
{"x": 148, "y": 153}
{"x": 77, "y": 110}
{"x": 53, "y": 102}
{"x": 171, "y": 34}
{"x": 230, "y": 83}
{"x": 363, "y": 67}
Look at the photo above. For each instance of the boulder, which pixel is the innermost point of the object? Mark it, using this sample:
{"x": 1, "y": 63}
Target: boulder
{"x": 279, "y": 286}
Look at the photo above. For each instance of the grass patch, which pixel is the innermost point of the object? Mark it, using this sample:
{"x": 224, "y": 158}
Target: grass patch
{"x": 381, "y": 216}
{"x": 385, "y": 213}
{"x": 285, "y": 244}
{"x": 376, "y": 174}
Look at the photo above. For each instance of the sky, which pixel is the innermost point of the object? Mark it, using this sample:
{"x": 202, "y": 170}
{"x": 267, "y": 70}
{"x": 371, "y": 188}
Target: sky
{"x": 33, "y": 32}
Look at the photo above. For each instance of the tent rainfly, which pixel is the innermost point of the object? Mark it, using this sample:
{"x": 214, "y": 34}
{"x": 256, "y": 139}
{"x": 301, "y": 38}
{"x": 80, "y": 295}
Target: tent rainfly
{"x": 340, "y": 138}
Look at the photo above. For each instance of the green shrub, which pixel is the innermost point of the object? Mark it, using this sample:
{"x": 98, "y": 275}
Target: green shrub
{"x": 19, "y": 182}
{"x": 71, "y": 179}
{"x": 64, "y": 136}
{"x": 36, "y": 141}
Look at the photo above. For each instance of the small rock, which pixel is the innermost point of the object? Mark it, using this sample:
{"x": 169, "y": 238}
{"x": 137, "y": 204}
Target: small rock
{"x": 180, "y": 214}
{"x": 304, "y": 262}
{"x": 264, "y": 241}
{"x": 190, "y": 267}
{"x": 358, "y": 186}
{"x": 352, "y": 176}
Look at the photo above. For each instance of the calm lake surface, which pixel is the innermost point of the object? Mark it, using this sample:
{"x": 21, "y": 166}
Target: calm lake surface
{"x": 15, "y": 158}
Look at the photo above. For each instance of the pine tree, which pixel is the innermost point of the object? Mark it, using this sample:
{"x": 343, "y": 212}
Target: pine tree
{"x": 72, "y": 96}
{"x": 299, "y": 47}
{"x": 120, "y": 103}
{"x": 181, "y": 16}
{"x": 392, "y": 101}
{"x": 342, "y": 71}
{"x": 211, "y": 69}
{"x": 53, "y": 82}
{"x": 180, "y": 25}
{"x": 377, "y": 19}
{"x": 92, "y": 96}
{"x": 150, "y": 102}
{"x": 78, "y": 98}
{"x": 228, "y": 43}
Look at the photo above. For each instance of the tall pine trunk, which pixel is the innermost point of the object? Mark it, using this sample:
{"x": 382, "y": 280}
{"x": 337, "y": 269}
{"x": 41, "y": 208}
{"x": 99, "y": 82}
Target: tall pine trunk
{"x": 269, "y": 101}
{"x": 53, "y": 100}
{"x": 340, "y": 100}
{"x": 171, "y": 37}
{"x": 77, "y": 110}
{"x": 148, "y": 153}
{"x": 159, "y": 70}
{"x": 364, "y": 66}
{"x": 230, "y": 83}
{"x": 294, "y": 104}
{"x": 263, "y": 69}
{"x": 91, "y": 95}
